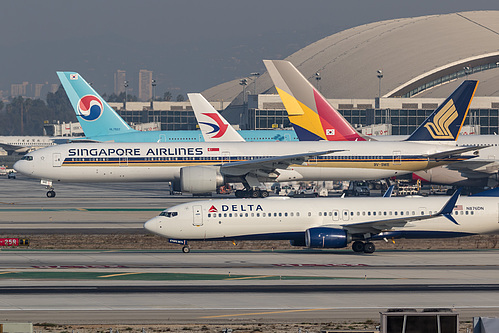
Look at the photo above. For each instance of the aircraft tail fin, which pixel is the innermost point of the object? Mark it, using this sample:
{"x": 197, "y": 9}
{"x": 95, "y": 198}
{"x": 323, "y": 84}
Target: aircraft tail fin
{"x": 96, "y": 117}
{"x": 446, "y": 121}
{"x": 213, "y": 126}
{"x": 449, "y": 207}
{"x": 312, "y": 116}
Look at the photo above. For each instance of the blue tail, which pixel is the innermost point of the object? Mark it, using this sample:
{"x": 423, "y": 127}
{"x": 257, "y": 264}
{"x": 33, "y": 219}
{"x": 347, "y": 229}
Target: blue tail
{"x": 96, "y": 117}
{"x": 446, "y": 121}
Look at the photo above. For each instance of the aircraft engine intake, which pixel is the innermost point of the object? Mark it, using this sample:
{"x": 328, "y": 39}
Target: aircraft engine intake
{"x": 200, "y": 179}
{"x": 322, "y": 237}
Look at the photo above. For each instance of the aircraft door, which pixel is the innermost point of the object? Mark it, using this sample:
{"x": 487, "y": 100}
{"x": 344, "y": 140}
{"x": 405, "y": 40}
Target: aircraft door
{"x": 197, "y": 214}
{"x": 287, "y": 137}
{"x": 346, "y": 215}
{"x": 162, "y": 138}
{"x": 123, "y": 161}
{"x": 56, "y": 160}
{"x": 225, "y": 157}
{"x": 397, "y": 158}
{"x": 336, "y": 215}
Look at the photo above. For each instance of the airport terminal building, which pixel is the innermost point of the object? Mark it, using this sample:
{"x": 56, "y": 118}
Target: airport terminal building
{"x": 390, "y": 72}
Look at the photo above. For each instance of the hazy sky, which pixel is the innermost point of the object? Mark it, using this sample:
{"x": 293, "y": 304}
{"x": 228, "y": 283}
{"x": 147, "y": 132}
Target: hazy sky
{"x": 190, "y": 45}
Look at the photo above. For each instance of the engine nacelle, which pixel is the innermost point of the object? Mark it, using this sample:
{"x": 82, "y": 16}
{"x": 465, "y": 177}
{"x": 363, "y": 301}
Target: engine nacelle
{"x": 200, "y": 179}
{"x": 322, "y": 237}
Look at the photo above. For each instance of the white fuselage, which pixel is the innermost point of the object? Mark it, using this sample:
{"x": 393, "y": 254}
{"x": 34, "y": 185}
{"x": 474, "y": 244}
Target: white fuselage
{"x": 289, "y": 218}
{"x": 126, "y": 162}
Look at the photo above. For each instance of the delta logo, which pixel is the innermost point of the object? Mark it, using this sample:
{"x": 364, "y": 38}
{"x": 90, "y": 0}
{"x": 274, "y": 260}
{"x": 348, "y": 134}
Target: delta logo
{"x": 213, "y": 209}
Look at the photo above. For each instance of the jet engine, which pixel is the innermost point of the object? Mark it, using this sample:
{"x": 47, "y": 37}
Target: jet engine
{"x": 200, "y": 179}
{"x": 322, "y": 237}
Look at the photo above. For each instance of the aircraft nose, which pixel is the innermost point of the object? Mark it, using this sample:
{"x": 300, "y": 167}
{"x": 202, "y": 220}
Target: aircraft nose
{"x": 22, "y": 167}
{"x": 153, "y": 225}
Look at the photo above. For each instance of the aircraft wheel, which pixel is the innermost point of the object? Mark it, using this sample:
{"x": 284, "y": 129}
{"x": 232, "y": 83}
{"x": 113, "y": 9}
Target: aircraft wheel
{"x": 50, "y": 194}
{"x": 264, "y": 194}
{"x": 369, "y": 247}
{"x": 255, "y": 194}
{"x": 186, "y": 249}
{"x": 358, "y": 246}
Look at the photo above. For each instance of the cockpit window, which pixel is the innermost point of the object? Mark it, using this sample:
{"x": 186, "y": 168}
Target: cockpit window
{"x": 168, "y": 214}
{"x": 27, "y": 158}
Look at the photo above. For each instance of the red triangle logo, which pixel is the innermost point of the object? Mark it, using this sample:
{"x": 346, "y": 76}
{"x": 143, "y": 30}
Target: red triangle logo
{"x": 213, "y": 209}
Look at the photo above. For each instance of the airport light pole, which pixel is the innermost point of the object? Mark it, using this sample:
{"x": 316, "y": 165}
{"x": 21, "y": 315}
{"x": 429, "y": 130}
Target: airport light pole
{"x": 153, "y": 84}
{"x": 244, "y": 83}
{"x": 255, "y": 75}
{"x": 380, "y": 76}
{"x": 125, "y": 84}
{"x": 317, "y": 79}
{"x": 467, "y": 70}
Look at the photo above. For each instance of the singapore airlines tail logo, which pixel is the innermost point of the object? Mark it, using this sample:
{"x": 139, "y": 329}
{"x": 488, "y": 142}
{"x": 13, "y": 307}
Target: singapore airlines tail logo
{"x": 439, "y": 128}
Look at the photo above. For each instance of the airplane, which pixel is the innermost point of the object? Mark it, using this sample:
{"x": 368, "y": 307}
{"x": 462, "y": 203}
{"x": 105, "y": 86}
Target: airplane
{"x": 23, "y": 144}
{"x": 313, "y": 117}
{"x": 328, "y": 222}
{"x": 200, "y": 167}
{"x": 213, "y": 126}
{"x": 101, "y": 123}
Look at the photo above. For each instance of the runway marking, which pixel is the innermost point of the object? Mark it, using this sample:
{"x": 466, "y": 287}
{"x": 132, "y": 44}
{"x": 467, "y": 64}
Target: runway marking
{"x": 120, "y": 274}
{"x": 7, "y": 272}
{"x": 265, "y": 313}
{"x": 251, "y": 277}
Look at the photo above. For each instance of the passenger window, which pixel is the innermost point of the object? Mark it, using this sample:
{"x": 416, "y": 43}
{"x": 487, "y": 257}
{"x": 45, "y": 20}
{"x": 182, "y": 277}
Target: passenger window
{"x": 230, "y": 214}
{"x": 280, "y": 214}
{"x": 466, "y": 212}
{"x": 209, "y": 215}
{"x": 368, "y": 213}
{"x": 384, "y": 213}
{"x": 286, "y": 214}
{"x": 291, "y": 214}
{"x": 246, "y": 215}
{"x": 309, "y": 214}
{"x": 225, "y": 214}
{"x": 257, "y": 214}
{"x": 395, "y": 212}
{"x": 252, "y": 214}
{"x": 275, "y": 214}
{"x": 320, "y": 213}
{"x": 374, "y": 213}
{"x": 472, "y": 212}
{"x": 263, "y": 214}
{"x": 240, "y": 214}
{"x": 297, "y": 213}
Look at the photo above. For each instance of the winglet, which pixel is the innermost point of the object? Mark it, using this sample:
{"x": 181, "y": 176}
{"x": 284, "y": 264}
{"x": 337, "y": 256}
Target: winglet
{"x": 96, "y": 117}
{"x": 389, "y": 192}
{"x": 213, "y": 126}
{"x": 449, "y": 206}
{"x": 445, "y": 123}
{"x": 312, "y": 116}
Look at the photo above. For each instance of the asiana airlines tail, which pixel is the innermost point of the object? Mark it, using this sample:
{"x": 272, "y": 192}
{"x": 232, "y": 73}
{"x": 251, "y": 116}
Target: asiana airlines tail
{"x": 329, "y": 223}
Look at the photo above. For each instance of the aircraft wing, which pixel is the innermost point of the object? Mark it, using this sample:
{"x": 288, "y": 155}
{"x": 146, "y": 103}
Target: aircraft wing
{"x": 13, "y": 148}
{"x": 453, "y": 152}
{"x": 265, "y": 166}
{"x": 387, "y": 224}
{"x": 478, "y": 167}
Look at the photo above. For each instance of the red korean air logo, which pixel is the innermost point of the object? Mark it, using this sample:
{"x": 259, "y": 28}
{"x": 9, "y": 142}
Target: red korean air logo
{"x": 90, "y": 108}
{"x": 213, "y": 209}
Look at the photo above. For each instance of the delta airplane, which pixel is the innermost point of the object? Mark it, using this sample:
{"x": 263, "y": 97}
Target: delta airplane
{"x": 313, "y": 118}
{"x": 328, "y": 222}
{"x": 101, "y": 123}
{"x": 23, "y": 144}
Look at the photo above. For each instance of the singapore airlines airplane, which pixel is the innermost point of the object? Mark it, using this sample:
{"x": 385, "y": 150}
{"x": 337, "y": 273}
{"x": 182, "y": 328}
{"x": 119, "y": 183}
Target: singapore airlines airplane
{"x": 314, "y": 118}
{"x": 328, "y": 222}
{"x": 101, "y": 123}
{"x": 202, "y": 167}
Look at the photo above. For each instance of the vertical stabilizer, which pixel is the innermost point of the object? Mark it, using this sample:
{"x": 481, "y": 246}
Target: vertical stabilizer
{"x": 96, "y": 117}
{"x": 445, "y": 123}
{"x": 312, "y": 116}
{"x": 213, "y": 126}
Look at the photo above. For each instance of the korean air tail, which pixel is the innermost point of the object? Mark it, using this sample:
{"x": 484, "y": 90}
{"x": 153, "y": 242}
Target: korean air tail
{"x": 96, "y": 117}
{"x": 213, "y": 126}
{"x": 313, "y": 118}
{"x": 445, "y": 123}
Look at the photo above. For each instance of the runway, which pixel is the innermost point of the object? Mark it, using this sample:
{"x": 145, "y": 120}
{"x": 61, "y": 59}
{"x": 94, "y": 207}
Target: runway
{"x": 210, "y": 286}
{"x": 219, "y": 286}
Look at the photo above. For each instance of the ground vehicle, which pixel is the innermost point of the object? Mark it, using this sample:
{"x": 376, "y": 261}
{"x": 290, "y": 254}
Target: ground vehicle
{"x": 11, "y": 175}
{"x": 357, "y": 188}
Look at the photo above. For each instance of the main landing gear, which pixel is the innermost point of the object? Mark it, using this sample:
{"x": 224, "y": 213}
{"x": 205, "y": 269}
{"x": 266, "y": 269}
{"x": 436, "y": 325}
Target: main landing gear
{"x": 252, "y": 193}
{"x": 50, "y": 194}
{"x": 367, "y": 247}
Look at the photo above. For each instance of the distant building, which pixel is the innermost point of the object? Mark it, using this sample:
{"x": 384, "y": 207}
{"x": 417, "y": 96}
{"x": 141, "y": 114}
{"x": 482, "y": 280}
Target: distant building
{"x": 54, "y": 87}
{"x": 145, "y": 87}
{"x": 38, "y": 90}
{"x": 119, "y": 80}
{"x": 19, "y": 89}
